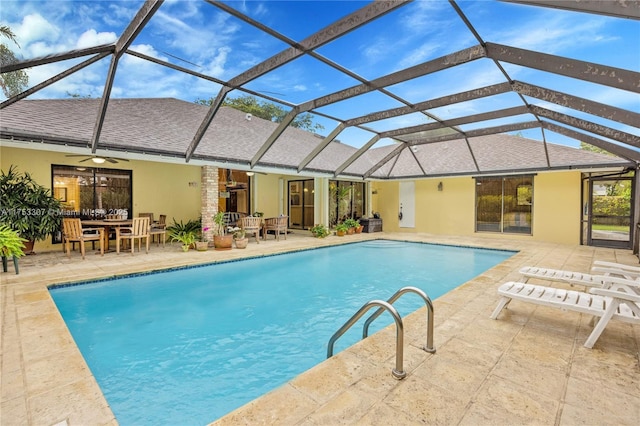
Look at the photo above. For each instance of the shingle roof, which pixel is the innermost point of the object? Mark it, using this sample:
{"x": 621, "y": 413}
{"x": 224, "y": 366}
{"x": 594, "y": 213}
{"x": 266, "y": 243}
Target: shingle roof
{"x": 481, "y": 66}
{"x": 165, "y": 127}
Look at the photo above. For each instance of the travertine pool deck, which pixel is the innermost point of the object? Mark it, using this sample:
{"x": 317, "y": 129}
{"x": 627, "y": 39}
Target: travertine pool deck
{"x": 527, "y": 367}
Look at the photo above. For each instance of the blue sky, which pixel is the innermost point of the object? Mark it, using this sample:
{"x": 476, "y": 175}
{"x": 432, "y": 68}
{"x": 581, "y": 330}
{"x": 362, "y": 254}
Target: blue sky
{"x": 202, "y": 37}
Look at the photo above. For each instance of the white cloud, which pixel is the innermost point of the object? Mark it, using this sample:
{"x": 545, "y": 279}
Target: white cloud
{"x": 35, "y": 28}
{"x": 419, "y": 54}
{"x": 552, "y": 33}
{"x": 216, "y": 66}
{"x": 92, "y": 38}
{"x": 619, "y": 98}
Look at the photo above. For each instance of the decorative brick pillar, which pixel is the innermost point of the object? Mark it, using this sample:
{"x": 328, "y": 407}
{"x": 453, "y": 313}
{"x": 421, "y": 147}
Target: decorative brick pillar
{"x": 208, "y": 198}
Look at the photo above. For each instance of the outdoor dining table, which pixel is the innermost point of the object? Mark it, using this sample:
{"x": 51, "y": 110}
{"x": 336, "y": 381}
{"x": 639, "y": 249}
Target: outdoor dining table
{"x": 107, "y": 224}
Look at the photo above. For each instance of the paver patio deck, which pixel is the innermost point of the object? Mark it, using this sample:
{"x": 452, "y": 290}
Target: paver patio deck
{"x": 528, "y": 367}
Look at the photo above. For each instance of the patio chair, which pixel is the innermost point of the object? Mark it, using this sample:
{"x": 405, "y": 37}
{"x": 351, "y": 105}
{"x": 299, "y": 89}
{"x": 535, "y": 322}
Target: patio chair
{"x": 73, "y": 232}
{"x": 139, "y": 229}
{"x": 159, "y": 230}
{"x": 580, "y": 278}
{"x": 614, "y": 265}
{"x": 251, "y": 225}
{"x": 604, "y": 303}
{"x": 149, "y": 215}
{"x": 231, "y": 218}
{"x": 276, "y": 224}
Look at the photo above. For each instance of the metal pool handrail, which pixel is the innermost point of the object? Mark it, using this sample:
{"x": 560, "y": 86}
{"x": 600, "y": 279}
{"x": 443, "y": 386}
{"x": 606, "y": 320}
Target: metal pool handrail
{"x": 398, "y": 372}
{"x": 429, "y": 346}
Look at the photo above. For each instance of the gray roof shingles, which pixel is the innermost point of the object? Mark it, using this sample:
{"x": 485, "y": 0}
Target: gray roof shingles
{"x": 167, "y": 126}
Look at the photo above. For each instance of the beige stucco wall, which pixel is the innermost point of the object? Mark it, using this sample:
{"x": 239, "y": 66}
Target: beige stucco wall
{"x": 556, "y": 207}
{"x": 267, "y": 196}
{"x": 164, "y": 188}
{"x": 159, "y": 188}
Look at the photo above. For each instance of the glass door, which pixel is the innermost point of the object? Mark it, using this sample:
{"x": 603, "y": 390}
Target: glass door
{"x": 301, "y": 204}
{"x": 610, "y": 212}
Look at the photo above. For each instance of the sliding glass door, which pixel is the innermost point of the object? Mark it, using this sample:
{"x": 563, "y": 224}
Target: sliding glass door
{"x": 610, "y": 212}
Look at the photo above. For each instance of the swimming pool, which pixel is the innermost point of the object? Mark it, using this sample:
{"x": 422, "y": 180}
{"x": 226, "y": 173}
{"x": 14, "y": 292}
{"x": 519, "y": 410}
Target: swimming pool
{"x": 188, "y": 346}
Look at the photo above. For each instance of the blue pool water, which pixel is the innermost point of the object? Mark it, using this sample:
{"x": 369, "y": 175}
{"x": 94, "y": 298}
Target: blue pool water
{"x": 188, "y": 346}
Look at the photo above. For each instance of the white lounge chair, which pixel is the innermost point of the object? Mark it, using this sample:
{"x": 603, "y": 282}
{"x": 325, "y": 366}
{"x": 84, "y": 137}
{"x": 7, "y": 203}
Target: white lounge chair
{"x": 614, "y": 265}
{"x": 604, "y": 303}
{"x": 579, "y": 278}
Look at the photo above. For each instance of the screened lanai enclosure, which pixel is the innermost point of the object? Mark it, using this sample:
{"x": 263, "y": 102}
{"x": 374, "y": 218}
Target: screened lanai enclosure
{"x": 394, "y": 90}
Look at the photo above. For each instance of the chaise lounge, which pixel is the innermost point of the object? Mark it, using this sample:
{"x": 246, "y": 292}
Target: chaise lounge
{"x": 604, "y": 270}
{"x": 615, "y": 302}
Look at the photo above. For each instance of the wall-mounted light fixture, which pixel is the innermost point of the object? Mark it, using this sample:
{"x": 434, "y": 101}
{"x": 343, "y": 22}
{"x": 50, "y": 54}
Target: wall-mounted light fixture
{"x": 193, "y": 184}
{"x": 440, "y": 186}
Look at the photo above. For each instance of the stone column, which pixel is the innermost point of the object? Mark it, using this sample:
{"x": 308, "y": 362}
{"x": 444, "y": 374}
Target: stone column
{"x": 209, "y": 198}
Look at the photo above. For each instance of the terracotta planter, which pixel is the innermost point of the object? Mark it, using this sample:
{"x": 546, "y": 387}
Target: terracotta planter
{"x": 341, "y": 233}
{"x": 202, "y": 245}
{"x": 242, "y": 243}
{"x": 351, "y": 231}
{"x": 223, "y": 242}
{"x": 359, "y": 229}
{"x": 28, "y": 247}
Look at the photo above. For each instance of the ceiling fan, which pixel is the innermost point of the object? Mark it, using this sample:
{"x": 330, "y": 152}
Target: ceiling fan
{"x": 98, "y": 159}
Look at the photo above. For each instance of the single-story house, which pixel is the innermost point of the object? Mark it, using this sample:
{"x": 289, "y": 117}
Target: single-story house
{"x": 526, "y": 189}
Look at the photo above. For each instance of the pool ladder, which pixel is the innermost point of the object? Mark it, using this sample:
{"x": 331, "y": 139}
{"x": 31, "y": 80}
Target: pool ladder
{"x": 397, "y": 372}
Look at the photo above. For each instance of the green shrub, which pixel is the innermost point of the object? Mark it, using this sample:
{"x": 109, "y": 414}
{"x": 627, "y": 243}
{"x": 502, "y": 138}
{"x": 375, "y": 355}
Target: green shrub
{"x": 319, "y": 231}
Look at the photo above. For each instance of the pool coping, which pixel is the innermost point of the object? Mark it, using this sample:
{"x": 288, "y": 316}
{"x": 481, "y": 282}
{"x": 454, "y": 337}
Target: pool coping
{"x": 36, "y": 340}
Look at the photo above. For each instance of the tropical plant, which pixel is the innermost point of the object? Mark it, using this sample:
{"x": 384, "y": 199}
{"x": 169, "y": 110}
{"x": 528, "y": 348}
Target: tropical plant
{"x": 185, "y": 238}
{"x": 11, "y": 243}
{"x": 342, "y": 227}
{"x": 238, "y": 233}
{"x": 28, "y": 207}
{"x": 218, "y": 219}
{"x": 192, "y": 225}
{"x": 12, "y": 83}
{"x": 319, "y": 231}
{"x": 184, "y": 233}
{"x": 351, "y": 223}
{"x": 203, "y": 234}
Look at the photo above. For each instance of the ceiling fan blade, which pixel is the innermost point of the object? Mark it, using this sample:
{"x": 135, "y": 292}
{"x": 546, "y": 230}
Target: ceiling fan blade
{"x": 111, "y": 160}
{"x": 76, "y": 155}
{"x": 86, "y": 159}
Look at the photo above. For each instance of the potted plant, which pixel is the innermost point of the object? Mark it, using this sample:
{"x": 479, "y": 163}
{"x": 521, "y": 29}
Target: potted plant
{"x": 341, "y": 229}
{"x": 11, "y": 245}
{"x": 203, "y": 244}
{"x": 186, "y": 237}
{"x": 28, "y": 207}
{"x": 221, "y": 241}
{"x": 319, "y": 231}
{"x": 239, "y": 237}
{"x": 352, "y": 224}
{"x": 185, "y": 233}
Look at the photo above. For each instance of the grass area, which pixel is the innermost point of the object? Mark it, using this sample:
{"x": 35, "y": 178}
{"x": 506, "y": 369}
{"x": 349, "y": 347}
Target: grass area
{"x": 619, "y": 228}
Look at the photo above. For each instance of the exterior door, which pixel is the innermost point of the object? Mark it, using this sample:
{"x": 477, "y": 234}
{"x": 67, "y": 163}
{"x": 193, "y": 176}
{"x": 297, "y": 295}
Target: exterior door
{"x": 610, "y": 212}
{"x": 301, "y": 203}
{"x": 407, "y": 208}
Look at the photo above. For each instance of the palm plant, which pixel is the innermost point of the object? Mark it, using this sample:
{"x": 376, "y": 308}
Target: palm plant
{"x": 28, "y": 207}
